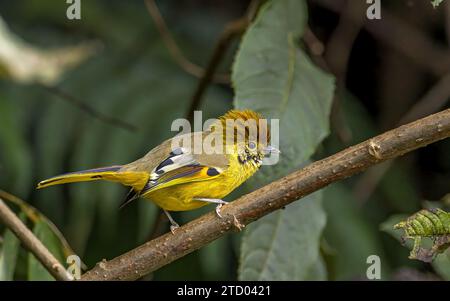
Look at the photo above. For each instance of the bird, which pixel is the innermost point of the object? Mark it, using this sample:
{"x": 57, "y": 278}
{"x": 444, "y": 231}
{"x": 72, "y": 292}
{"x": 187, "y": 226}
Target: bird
{"x": 176, "y": 177}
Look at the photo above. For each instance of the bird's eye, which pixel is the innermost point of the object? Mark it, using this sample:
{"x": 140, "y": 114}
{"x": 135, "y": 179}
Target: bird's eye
{"x": 251, "y": 145}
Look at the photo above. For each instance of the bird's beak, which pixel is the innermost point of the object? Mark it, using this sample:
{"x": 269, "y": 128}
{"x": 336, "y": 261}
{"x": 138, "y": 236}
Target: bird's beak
{"x": 271, "y": 150}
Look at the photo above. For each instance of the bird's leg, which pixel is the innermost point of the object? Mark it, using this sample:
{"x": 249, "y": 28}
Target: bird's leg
{"x": 173, "y": 224}
{"x": 216, "y": 201}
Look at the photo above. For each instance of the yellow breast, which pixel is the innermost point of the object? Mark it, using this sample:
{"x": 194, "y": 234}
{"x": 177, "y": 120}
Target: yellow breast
{"x": 180, "y": 197}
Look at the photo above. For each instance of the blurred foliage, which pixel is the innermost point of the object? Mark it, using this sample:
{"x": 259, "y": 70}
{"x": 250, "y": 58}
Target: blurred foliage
{"x": 61, "y": 137}
{"x": 349, "y": 236}
{"x": 9, "y": 253}
{"x": 272, "y": 75}
{"x": 35, "y": 269}
{"x": 133, "y": 78}
{"x": 25, "y": 63}
{"x": 436, "y": 3}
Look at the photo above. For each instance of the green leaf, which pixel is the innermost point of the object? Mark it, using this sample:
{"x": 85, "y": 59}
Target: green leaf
{"x": 15, "y": 158}
{"x": 318, "y": 271}
{"x": 441, "y": 265}
{"x": 284, "y": 245}
{"x": 273, "y": 76}
{"x": 36, "y": 271}
{"x": 388, "y": 226}
{"x": 9, "y": 253}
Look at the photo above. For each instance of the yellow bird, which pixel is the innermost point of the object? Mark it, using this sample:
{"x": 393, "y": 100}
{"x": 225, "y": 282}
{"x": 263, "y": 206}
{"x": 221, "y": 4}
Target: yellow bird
{"x": 177, "y": 178}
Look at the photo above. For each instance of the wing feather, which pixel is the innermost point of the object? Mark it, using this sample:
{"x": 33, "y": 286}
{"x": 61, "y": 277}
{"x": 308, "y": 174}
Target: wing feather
{"x": 178, "y": 168}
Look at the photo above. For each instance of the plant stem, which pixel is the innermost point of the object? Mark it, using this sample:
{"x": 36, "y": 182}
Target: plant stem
{"x": 34, "y": 245}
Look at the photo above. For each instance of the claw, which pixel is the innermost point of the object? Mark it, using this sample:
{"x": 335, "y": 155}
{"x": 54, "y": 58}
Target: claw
{"x": 174, "y": 227}
{"x": 218, "y": 210}
{"x": 173, "y": 224}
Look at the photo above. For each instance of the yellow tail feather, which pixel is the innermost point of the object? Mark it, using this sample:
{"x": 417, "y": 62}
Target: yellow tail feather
{"x": 112, "y": 173}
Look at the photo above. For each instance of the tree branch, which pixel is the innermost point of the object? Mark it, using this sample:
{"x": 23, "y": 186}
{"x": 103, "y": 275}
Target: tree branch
{"x": 173, "y": 48}
{"x": 35, "y": 216}
{"x": 406, "y": 39}
{"x": 248, "y": 208}
{"x": 84, "y": 107}
{"x": 433, "y": 101}
{"x": 33, "y": 244}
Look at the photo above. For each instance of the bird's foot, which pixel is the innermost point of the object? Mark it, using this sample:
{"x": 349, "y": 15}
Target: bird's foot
{"x": 218, "y": 207}
{"x": 173, "y": 224}
{"x": 174, "y": 227}
{"x": 215, "y": 201}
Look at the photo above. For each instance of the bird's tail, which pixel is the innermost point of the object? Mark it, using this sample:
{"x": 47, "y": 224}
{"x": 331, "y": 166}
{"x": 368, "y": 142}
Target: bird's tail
{"x": 111, "y": 173}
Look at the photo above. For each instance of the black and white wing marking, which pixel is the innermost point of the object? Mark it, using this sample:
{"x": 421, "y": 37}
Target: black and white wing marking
{"x": 179, "y": 167}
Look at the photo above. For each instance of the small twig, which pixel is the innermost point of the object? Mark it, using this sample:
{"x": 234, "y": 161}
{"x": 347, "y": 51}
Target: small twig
{"x": 406, "y": 39}
{"x": 35, "y": 216}
{"x": 434, "y": 100}
{"x": 341, "y": 42}
{"x": 88, "y": 109}
{"x": 337, "y": 55}
{"x": 336, "y": 60}
{"x": 173, "y": 48}
{"x": 315, "y": 49}
{"x": 417, "y": 47}
{"x": 201, "y": 231}
{"x": 315, "y": 46}
{"x": 231, "y": 30}
{"x": 33, "y": 244}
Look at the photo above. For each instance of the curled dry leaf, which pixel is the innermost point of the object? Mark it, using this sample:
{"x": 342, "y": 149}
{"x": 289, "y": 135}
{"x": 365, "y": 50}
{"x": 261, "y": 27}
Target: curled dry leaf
{"x": 433, "y": 223}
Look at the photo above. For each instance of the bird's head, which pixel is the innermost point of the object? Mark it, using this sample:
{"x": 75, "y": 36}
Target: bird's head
{"x": 249, "y": 135}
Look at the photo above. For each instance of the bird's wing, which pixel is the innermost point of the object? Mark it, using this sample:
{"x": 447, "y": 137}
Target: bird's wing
{"x": 179, "y": 167}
